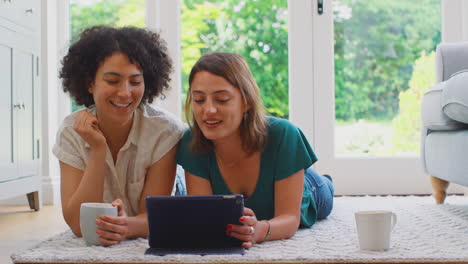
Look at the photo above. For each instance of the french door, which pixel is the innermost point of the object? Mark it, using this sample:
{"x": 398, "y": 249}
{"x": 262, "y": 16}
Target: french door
{"x": 355, "y": 89}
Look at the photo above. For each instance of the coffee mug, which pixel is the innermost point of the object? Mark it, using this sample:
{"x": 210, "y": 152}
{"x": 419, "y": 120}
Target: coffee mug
{"x": 374, "y": 228}
{"x": 88, "y": 214}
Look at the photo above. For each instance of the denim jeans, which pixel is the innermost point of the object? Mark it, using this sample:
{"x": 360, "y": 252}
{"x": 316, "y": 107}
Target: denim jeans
{"x": 180, "y": 188}
{"x": 322, "y": 189}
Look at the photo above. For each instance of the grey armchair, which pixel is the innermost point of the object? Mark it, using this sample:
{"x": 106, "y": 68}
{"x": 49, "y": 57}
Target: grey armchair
{"x": 444, "y": 112}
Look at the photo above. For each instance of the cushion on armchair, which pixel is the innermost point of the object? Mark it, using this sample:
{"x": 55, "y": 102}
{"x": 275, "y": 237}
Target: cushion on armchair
{"x": 454, "y": 99}
{"x": 431, "y": 111}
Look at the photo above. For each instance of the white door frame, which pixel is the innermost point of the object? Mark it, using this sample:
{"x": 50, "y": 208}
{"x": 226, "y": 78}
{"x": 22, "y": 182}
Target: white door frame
{"x": 302, "y": 110}
{"x": 454, "y": 20}
{"x": 164, "y": 17}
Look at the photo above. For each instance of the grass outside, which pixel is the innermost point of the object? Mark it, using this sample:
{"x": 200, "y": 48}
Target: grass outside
{"x": 366, "y": 138}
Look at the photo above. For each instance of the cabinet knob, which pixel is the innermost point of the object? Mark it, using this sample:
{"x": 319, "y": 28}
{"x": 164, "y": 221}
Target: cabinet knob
{"x": 18, "y": 106}
{"x": 29, "y": 11}
{"x": 22, "y": 106}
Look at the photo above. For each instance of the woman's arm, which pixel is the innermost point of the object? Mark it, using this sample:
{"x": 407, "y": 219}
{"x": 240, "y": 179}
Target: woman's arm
{"x": 197, "y": 185}
{"x": 288, "y": 197}
{"x": 159, "y": 181}
{"x": 79, "y": 186}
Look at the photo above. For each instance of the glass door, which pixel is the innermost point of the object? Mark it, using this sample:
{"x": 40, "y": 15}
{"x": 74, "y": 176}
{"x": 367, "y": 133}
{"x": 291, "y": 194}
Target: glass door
{"x": 257, "y": 30}
{"x": 372, "y": 62}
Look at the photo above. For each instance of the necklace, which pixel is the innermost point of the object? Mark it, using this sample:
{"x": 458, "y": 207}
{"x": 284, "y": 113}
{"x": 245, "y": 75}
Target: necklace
{"x": 230, "y": 164}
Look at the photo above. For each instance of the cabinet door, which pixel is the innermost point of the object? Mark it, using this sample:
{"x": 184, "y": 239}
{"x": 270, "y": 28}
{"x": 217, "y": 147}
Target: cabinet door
{"x": 23, "y": 121}
{"x": 21, "y": 14}
{"x": 7, "y": 165}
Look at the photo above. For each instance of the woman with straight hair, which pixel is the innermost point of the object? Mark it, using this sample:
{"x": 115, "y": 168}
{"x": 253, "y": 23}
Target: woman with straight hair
{"x": 233, "y": 147}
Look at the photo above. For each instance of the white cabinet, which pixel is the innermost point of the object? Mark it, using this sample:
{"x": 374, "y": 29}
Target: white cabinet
{"x": 7, "y": 165}
{"x": 20, "y": 91}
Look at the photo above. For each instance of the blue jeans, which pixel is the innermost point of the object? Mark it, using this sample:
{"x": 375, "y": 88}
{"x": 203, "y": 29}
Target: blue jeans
{"x": 180, "y": 182}
{"x": 322, "y": 189}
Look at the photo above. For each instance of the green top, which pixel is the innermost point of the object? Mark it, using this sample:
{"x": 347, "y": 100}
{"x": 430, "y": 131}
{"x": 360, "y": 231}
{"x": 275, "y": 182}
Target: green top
{"x": 287, "y": 151}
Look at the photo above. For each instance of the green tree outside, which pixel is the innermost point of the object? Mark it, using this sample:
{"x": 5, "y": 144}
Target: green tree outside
{"x": 407, "y": 124}
{"x": 257, "y": 30}
{"x": 376, "y": 44}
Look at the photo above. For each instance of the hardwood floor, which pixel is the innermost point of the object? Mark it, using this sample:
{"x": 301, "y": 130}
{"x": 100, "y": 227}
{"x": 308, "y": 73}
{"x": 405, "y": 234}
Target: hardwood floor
{"x": 21, "y": 227}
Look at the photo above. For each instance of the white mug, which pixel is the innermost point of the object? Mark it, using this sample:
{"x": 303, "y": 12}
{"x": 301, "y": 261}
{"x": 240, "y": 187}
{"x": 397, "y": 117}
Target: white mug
{"x": 88, "y": 214}
{"x": 374, "y": 228}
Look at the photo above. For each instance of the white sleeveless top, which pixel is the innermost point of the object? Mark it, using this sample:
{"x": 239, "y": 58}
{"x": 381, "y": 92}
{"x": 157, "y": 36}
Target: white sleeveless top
{"x": 154, "y": 133}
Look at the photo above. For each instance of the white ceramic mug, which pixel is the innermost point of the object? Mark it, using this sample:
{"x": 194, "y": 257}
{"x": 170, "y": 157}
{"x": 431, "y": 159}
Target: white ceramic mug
{"x": 88, "y": 214}
{"x": 374, "y": 228}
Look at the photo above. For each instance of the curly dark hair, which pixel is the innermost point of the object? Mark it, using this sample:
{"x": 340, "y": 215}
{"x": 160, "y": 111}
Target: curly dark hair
{"x": 95, "y": 44}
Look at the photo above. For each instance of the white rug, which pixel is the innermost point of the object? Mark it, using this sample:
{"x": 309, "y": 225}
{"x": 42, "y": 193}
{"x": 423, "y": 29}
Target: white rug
{"x": 425, "y": 232}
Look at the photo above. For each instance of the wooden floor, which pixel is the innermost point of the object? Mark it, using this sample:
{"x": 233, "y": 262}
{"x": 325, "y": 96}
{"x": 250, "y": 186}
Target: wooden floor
{"x": 21, "y": 227}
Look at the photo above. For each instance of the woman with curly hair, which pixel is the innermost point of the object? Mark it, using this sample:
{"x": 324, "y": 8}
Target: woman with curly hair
{"x": 118, "y": 149}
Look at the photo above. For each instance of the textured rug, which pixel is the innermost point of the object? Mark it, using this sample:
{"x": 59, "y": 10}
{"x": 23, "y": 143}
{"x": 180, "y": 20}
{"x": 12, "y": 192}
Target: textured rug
{"x": 425, "y": 233}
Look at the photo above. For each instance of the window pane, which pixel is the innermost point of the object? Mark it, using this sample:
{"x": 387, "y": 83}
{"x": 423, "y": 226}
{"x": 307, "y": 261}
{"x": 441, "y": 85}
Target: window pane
{"x": 384, "y": 61}
{"x": 87, "y": 13}
{"x": 257, "y": 30}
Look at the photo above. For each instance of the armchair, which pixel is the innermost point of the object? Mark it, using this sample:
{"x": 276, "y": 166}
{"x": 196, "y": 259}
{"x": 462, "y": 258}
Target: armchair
{"x": 444, "y": 112}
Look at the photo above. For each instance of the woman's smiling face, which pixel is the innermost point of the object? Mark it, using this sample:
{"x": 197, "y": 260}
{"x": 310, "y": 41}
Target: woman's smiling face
{"x": 217, "y": 105}
{"x": 117, "y": 88}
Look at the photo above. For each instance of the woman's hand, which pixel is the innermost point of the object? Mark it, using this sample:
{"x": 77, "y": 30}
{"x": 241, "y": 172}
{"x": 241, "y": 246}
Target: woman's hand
{"x": 116, "y": 227}
{"x": 86, "y": 125}
{"x": 248, "y": 231}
